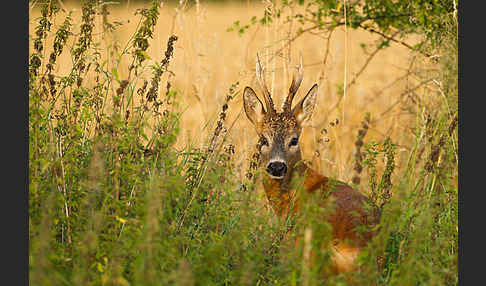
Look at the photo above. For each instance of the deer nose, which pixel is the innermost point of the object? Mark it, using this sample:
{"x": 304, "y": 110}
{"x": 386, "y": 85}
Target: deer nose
{"x": 277, "y": 169}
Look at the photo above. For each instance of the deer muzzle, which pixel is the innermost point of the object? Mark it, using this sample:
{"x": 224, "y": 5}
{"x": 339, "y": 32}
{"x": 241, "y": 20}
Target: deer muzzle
{"x": 277, "y": 169}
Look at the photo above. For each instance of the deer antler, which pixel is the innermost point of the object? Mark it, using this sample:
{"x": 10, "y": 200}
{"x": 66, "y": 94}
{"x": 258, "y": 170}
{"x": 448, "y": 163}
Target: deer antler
{"x": 261, "y": 82}
{"x": 296, "y": 80}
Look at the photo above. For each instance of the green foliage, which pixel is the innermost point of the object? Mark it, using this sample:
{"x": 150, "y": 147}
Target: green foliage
{"x": 387, "y": 18}
{"x": 113, "y": 202}
{"x": 380, "y": 192}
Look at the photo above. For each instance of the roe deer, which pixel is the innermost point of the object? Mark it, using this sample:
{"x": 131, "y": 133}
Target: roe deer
{"x": 281, "y": 155}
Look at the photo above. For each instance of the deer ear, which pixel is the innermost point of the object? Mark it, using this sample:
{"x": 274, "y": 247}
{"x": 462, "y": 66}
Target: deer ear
{"x": 303, "y": 110}
{"x": 253, "y": 107}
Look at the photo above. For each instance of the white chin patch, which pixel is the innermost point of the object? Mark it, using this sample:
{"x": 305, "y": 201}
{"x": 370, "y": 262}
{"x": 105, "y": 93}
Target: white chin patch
{"x": 275, "y": 177}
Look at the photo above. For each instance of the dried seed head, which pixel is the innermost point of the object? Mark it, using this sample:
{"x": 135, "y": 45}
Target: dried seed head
{"x": 358, "y": 158}
{"x": 121, "y": 89}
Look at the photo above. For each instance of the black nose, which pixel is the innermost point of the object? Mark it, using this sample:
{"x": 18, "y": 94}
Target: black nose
{"x": 277, "y": 169}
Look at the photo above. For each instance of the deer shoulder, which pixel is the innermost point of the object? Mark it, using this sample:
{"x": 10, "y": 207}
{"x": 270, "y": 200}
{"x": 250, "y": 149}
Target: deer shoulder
{"x": 280, "y": 155}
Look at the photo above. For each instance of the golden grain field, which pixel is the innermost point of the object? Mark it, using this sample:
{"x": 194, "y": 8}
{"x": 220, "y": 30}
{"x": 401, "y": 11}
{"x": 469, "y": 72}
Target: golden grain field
{"x": 208, "y": 60}
{"x": 142, "y": 160}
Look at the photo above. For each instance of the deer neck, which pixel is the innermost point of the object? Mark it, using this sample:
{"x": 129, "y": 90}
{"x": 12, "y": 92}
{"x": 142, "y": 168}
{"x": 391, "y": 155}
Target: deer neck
{"x": 282, "y": 193}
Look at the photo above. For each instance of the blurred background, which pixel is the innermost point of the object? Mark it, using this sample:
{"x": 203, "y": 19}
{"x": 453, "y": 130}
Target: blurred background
{"x": 211, "y": 55}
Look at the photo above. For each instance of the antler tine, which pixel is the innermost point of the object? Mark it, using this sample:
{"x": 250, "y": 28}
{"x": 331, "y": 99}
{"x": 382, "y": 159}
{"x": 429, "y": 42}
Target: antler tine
{"x": 296, "y": 81}
{"x": 261, "y": 82}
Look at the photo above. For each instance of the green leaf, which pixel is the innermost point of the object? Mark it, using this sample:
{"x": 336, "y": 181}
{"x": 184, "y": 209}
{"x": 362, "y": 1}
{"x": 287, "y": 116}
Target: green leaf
{"x": 114, "y": 72}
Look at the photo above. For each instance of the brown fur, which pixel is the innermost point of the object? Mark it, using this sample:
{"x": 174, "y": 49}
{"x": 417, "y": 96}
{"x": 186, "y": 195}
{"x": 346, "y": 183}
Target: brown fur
{"x": 277, "y": 131}
{"x": 349, "y": 213}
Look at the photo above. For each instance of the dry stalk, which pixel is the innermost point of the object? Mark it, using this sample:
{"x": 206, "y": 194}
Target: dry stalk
{"x": 306, "y": 262}
{"x": 213, "y": 143}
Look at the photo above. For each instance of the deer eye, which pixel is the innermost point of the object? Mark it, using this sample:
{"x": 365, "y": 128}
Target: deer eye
{"x": 263, "y": 141}
{"x": 294, "y": 142}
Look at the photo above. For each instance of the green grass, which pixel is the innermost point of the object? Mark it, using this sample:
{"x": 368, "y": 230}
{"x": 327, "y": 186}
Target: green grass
{"x": 112, "y": 201}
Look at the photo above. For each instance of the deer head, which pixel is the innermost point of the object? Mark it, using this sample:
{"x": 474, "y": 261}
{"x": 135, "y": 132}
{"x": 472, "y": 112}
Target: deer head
{"x": 279, "y": 132}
